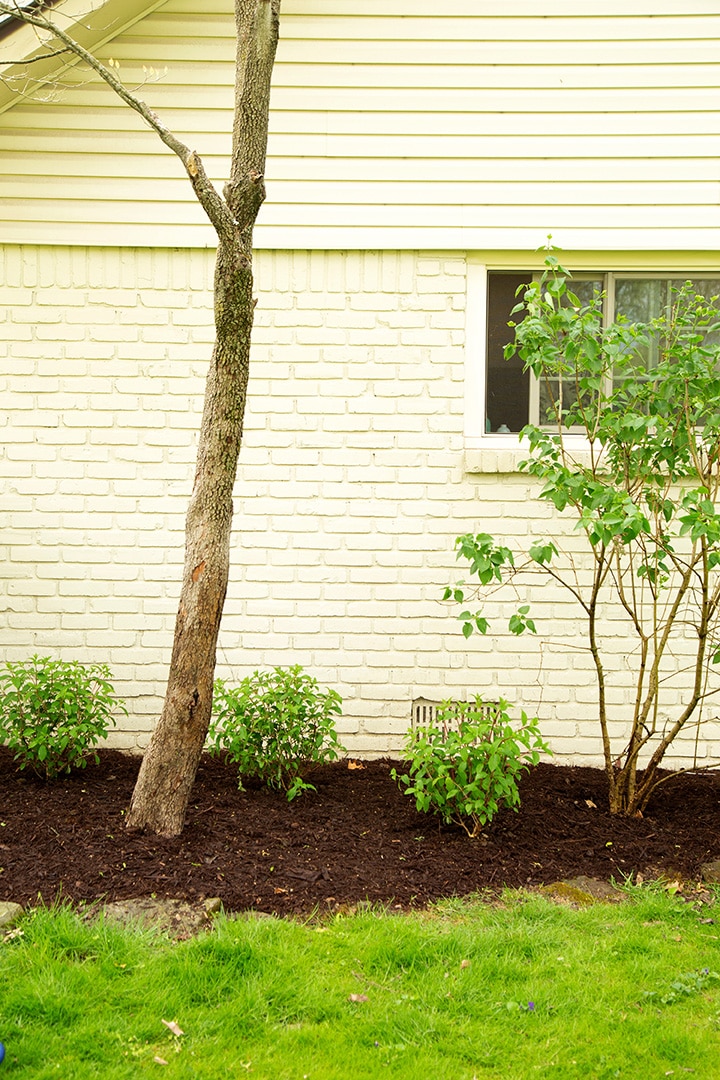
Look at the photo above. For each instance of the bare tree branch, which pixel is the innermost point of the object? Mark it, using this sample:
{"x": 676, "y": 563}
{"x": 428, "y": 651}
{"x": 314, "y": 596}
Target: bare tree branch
{"x": 34, "y": 59}
{"x": 209, "y": 198}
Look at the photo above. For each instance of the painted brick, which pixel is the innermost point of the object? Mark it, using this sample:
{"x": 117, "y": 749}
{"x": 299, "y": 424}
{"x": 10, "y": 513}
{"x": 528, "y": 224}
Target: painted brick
{"x": 350, "y": 492}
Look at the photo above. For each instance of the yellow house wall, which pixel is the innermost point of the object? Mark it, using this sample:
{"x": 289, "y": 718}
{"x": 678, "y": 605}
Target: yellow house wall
{"x": 403, "y": 124}
{"x": 412, "y": 145}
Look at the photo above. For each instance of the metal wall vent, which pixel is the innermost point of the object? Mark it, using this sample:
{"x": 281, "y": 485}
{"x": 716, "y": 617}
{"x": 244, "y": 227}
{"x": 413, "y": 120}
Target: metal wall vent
{"x": 424, "y": 711}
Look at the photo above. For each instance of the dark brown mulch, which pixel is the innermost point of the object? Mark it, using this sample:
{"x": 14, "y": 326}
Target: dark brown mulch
{"x": 357, "y": 839}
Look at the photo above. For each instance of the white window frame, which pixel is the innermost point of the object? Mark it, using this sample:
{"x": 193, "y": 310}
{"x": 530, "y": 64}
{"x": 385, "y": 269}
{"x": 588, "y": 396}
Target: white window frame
{"x": 501, "y": 452}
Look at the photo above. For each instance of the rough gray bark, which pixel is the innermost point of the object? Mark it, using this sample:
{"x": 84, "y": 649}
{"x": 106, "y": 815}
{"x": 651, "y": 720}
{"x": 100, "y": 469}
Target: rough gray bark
{"x": 170, "y": 762}
{"x": 171, "y": 759}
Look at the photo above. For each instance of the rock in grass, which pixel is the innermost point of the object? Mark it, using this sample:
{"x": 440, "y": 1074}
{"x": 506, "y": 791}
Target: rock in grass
{"x": 710, "y": 872}
{"x": 581, "y": 891}
{"x": 179, "y": 918}
{"x": 9, "y": 913}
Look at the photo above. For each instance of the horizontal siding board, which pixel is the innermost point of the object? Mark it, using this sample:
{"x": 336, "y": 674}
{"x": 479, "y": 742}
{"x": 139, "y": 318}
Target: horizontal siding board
{"x": 399, "y": 119}
{"x": 520, "y": 9}
{"x": 364, "y": 126}
{"x": 369, "y": 193}
{"x": 600, "y": 148}
{"x": 301, "y": 176}
{"x": 97, "y": 211}
{"x": 490, "y": 28}
{"x": 497, "y": 76}
{"x": 505, "y": 193}
{"x": 590, "y": 148}
{"x": 604, "y": 237}
{"x": 378, "y": 79}
{"x": 451, "y": 9}
{"x": 165, "y": 94}
{"x": 441, "y": 53}
{"x": 546, "y": 218}
{"x": 504, "y": 238}
{"x": 600, "y": 28}
{"x": 449, "y": 170}
{"x": 432, "y": 125}
{"x": 588, "y": 100}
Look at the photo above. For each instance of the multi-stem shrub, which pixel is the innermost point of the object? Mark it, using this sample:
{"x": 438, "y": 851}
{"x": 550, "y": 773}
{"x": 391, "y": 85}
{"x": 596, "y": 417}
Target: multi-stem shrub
{"x": 53, "y": 711}
{"x": 643, "y": 487}
{"x": 465, "y": 763}
{"x": 273, "y": 725}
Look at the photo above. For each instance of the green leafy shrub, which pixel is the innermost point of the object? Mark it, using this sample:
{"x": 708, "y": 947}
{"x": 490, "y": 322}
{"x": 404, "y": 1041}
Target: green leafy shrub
{"x": 465, "y": 764}
{"x": 643, "y": 487}
{"x": 53, "y": 711}
{"x": 273, "y": 725}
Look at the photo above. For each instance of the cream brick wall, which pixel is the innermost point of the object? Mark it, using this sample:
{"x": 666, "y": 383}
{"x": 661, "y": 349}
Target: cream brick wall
{"x": 352, "y": 485}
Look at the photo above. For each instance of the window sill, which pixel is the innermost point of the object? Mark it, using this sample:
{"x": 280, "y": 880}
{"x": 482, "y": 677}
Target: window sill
{"x": 503, "y": 453}
{"x": 494, "y": 456}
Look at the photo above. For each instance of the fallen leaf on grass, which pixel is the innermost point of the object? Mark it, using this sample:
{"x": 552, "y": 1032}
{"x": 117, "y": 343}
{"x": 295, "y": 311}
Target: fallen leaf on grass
{"x": 464, "y": 963}
{"x": 358, "y": 998}
{"x": 159, "y": 1060}
{"x": 171, "y": 1025}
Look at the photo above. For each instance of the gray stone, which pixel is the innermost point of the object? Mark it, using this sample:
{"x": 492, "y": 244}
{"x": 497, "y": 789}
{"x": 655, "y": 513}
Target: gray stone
{"x": 581, "y": 891}
{"x": 178, "y": 918}
{"x": 710, "y": 872}
{"x": 9, "y": 913}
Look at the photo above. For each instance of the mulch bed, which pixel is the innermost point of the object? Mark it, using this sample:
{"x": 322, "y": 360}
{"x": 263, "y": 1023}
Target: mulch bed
{"x": 357, "y": 839}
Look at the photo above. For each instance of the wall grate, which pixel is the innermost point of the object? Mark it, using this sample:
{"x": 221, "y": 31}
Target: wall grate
{"x": 424, "y": 711}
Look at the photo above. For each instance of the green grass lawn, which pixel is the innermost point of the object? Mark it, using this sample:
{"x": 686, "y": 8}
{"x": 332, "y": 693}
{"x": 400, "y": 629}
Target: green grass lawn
{"x": 463, "y": 991}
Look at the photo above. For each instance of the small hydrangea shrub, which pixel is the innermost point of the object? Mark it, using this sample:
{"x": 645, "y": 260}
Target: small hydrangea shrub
{"x": 273, "y": 725}
{"x": 465, "y": 764}
{"x": 52, "y": 712}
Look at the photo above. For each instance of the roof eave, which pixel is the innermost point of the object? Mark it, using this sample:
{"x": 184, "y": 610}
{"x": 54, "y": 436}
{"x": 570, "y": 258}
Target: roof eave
{"x": 10, "y": 23}
{"x": 24, "y": 49}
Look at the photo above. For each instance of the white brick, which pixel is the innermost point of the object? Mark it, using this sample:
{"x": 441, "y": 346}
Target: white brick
{"x": 350, "y": 492}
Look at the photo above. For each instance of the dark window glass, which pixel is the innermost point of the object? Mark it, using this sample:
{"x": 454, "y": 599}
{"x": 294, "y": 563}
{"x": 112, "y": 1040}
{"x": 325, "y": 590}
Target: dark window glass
{"x": 512, "y": 399}
{"x": 508, "y": 387}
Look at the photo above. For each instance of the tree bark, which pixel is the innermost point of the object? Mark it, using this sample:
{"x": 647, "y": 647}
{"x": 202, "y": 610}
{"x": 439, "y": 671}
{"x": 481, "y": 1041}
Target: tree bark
{"x": 171, "y": 759}
{"x": 170, "y": 762}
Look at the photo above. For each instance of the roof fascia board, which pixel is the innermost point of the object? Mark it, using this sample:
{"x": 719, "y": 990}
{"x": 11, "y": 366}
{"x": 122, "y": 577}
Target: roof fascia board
{"x": 92, "y": 23}
{"x": 9, "y": 23}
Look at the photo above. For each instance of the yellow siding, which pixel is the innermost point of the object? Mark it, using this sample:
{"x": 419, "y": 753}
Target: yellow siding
{"x": 396, "y": 123}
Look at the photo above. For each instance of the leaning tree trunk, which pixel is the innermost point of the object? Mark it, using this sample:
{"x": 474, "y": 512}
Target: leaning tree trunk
{"x": 170, "y": 762}
{"x": 168, "y": 769}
